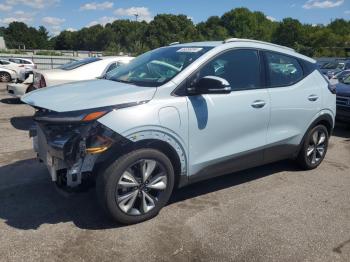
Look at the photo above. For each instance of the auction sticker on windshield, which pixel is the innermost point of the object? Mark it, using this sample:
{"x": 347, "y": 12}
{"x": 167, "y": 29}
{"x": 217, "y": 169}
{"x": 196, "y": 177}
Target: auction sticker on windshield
{"x": 189, "y": 50}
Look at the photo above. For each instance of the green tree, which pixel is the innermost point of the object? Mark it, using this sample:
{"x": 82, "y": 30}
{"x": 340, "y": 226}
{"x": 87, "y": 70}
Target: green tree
{"x": 137, "y": 37}
{"x": 18, "y": 34}
{"x": 212, "y": 29}
{"x": 242, "y": 23}
{"x": 289, "y": 32}
{"x": 165, "y": 29}
{"x": 65, "y": 41}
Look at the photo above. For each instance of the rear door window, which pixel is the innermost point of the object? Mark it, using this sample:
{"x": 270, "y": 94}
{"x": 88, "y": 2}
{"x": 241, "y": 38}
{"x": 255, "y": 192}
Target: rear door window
{"x": 17, "y": 61}
{"x": 111, "y": 67}
{"x": 282, "y": 70}
{"x": 25, "y": 62}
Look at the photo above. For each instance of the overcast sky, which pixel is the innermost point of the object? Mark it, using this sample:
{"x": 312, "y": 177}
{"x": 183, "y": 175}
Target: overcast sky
{"x": 58, "y": 15}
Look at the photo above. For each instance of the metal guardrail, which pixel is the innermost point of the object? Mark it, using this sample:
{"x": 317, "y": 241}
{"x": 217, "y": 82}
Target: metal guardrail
{"x": 43, "y": 62}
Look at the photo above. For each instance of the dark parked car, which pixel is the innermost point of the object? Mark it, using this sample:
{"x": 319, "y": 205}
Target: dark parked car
{"x": 342, "y": 75}
{"x": 332, "y": 68}
{"x": 343, "y": 100}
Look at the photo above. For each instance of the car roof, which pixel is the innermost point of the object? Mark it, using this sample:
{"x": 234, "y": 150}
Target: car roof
{"x": 21, "y": 58}
{"x": 232, "y": 40}
{"x": 18, "y": 58}
{"x": 249, "y": 43}
{"x": 200, "y": 44}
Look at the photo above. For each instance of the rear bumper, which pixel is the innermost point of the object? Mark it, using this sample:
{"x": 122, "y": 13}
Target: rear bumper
{"x": 16, "y": 90}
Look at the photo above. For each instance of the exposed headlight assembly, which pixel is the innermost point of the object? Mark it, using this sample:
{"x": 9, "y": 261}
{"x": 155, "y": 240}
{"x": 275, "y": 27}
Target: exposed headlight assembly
{"x": 81, "y": 116}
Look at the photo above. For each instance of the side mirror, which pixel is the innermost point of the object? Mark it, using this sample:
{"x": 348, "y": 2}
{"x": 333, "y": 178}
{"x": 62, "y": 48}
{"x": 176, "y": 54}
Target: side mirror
{"x": 210, "y": 85}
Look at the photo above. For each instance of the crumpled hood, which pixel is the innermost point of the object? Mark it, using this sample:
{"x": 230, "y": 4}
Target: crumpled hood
{"x": 343, "y": 89}
{"x": 87, "y": 95}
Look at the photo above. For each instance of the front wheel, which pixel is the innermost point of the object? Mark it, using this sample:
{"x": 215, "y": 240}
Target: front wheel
{"x": 314, "y": 148}
{"x": 136, "y": 186}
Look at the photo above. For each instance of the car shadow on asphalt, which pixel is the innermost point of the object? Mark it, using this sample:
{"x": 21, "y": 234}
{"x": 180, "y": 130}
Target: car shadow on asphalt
{"x": 33, "y": 202}
{"x": 22, "y": 122}
{"x": 231, "y": 180}
{"x": 11, "y": 101}
{"x": 28, "y": 203}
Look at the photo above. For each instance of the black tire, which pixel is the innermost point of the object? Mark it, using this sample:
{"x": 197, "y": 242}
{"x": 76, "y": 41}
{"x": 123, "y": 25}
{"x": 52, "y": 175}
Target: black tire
{"x": 5, "y": 77}
{"x": 306, "y": 161}
{"x": 108, "y": 184}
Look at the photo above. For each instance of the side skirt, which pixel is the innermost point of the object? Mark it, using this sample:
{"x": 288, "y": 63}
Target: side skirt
{"x": 245, "y": 161}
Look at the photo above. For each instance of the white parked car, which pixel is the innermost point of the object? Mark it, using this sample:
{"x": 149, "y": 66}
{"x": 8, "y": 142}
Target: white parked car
{"x": 19, "y": 89}
{"x": 25, "y": 63}
{"x": 26, "y": 67}
{"x": 7, "y": 75}
{"x": 12, "y": 66}
{"x": 85, "y": 69}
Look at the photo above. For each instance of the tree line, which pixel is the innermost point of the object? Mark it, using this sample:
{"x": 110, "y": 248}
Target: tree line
{"x": 136, "y": 37}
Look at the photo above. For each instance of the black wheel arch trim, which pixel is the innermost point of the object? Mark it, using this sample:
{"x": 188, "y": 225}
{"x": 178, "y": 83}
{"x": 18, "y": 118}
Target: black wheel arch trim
{"x": 324, "y": 118}
{"x": 124, "y": 146}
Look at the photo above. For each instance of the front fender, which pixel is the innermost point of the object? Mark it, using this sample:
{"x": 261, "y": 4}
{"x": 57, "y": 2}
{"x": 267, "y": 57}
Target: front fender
{"x": 170, "y": 139}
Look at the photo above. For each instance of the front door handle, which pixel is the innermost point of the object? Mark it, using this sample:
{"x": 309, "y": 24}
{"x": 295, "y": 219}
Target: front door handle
{"x": 258, "y": 104}
{"x": 313, "y": 98}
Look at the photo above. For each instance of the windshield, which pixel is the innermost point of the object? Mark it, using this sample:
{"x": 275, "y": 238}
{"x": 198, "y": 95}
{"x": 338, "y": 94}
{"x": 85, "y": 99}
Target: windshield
{"x": 342, "y": 74}
{"x": 346, "y": 80}
{"x": 157, "y": 67}
{"x": 79, "y": 63}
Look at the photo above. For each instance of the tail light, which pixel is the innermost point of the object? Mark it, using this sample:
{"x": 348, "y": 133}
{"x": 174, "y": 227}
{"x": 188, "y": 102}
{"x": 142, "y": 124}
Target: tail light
{"x": 42, "y": 82}
{"x": 39, "y": 81}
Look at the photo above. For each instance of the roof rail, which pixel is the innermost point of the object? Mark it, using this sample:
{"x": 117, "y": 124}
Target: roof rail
{"x": 230, "y": 40}
{"x": 174, "y": 43}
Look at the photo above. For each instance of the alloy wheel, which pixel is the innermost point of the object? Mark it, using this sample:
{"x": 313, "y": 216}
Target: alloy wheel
{"x": 141, "y": 186}
{"x": 317, "y": 147}
{"x": 5, "y": 77}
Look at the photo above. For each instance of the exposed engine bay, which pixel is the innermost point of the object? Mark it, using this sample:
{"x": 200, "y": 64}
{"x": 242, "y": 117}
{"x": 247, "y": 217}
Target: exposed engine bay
{"x": 70, "y": 149}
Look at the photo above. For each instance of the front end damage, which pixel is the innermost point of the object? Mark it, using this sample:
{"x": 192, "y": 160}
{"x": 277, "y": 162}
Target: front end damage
{"x": 70, "y": 147}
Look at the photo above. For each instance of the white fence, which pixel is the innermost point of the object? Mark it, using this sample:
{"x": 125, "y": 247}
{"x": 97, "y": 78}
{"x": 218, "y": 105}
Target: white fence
{"x": 43, "y": 62}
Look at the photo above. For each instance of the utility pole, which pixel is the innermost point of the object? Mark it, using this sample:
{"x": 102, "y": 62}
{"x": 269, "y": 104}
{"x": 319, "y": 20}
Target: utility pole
{"x": 136, "y": 16}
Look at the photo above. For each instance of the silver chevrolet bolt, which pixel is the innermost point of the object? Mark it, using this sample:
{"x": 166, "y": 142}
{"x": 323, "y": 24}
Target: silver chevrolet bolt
{"x": 180, "y": 114}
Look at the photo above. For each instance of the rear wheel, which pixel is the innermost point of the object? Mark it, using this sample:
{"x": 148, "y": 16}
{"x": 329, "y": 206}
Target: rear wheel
{"x": 314, "y": 148}
{"x": 5, "y": 77}
{"x": 136, "y": 186}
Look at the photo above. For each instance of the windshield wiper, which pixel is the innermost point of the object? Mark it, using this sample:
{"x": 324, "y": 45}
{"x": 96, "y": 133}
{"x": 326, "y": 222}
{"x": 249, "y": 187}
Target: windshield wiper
{"x": 121, "y": 81}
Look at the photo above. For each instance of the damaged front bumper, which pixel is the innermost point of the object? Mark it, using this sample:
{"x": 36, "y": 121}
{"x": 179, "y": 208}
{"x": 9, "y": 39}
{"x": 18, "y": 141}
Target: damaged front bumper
{"x": 71, "y": 150}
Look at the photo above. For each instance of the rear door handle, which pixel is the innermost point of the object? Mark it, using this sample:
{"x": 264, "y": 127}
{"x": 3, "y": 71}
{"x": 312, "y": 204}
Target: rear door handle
{"x": 258, "y": 104}
{"x": 313, "y": 98}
